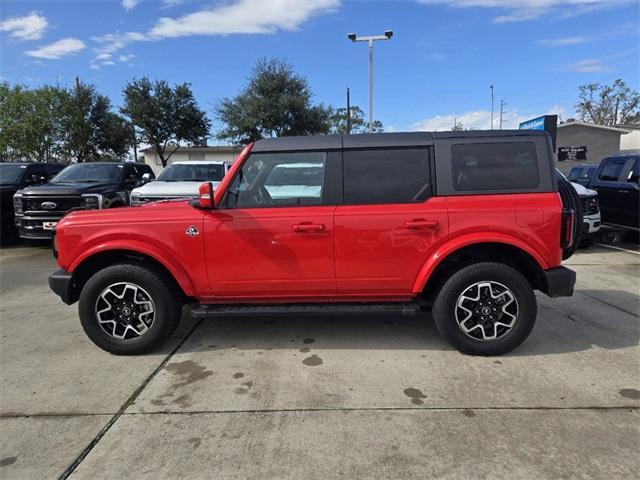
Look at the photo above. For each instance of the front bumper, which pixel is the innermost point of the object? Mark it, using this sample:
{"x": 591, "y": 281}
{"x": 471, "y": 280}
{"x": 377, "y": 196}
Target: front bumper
{"x": 61, "y": 282}
{"x": 591, "y": 224}
{"x": 560, "y": 282}
{"x": 31, "y": 227}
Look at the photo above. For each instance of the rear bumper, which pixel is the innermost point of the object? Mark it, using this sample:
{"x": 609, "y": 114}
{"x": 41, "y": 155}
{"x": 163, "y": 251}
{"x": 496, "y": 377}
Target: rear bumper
{"x": 560, "y": 282}
{"x": 60, "y": 282}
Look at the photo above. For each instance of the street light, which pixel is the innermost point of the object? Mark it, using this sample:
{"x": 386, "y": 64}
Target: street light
{"x": 370, "y": 39}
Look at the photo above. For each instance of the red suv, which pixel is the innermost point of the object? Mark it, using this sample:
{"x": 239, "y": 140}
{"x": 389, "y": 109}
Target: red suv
{"x": 464, "y": 224}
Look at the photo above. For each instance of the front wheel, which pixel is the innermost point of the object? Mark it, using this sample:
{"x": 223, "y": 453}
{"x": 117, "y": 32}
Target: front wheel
{"x": 129, "y": 309}
{"x": 485, "y": 309}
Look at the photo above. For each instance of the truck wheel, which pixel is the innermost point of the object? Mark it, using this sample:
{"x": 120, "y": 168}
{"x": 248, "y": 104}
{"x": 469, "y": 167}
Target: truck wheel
{"x": 129, "y": 309}
{"x": 485, "y": 309}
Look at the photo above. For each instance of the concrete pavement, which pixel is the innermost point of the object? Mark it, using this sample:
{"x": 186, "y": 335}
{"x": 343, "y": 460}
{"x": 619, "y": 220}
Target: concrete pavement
{"x": 323, "y": 397}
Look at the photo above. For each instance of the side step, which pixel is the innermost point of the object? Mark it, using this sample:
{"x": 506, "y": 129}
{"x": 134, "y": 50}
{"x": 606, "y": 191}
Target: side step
{"x": 214, "y": 310}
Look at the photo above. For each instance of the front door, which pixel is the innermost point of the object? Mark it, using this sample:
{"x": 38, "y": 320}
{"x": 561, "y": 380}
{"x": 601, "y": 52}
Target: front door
{"x": 388, "y": 225}
{"x": 272, "y": 235}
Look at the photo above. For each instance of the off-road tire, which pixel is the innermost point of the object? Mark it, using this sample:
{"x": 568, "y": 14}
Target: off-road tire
{"x": 443, "y": 310}
{"x": 167, "y": 306}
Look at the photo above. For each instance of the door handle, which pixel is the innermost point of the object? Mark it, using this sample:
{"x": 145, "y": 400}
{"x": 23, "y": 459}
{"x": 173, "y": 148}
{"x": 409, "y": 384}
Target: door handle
{"x": 623, "y": 191}
{"x": 308, "y": 227}
{"x": 420, "y": 223}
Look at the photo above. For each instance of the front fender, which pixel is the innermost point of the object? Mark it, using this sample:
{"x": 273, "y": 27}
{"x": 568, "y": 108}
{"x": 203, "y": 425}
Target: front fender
{"x": 464, "y": 241}
{"x": 144, "y": 248}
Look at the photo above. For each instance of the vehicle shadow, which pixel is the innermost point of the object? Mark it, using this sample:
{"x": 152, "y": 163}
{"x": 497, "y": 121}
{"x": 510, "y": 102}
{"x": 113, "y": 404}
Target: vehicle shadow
{"x": 561, "y": 327}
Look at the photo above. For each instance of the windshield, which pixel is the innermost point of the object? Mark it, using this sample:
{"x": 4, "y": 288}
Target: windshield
{"x": 11, "y": 173}
{"x": 192, "y": 173}
{"x": 89, "y": 173}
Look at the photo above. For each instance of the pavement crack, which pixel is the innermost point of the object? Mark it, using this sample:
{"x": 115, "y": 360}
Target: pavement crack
{"x": 132, "y": 398}
{"x": 608, "y": 304}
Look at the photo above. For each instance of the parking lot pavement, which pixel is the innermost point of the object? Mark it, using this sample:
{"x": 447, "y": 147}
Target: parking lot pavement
{"x": 323, "y": 397}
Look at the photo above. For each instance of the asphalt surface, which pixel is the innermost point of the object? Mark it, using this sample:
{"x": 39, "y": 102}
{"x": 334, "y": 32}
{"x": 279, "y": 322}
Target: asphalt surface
{"x": 323, "y": 398}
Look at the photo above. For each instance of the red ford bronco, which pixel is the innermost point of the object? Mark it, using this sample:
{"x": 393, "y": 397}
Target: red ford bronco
{"x": 463, "y": 224}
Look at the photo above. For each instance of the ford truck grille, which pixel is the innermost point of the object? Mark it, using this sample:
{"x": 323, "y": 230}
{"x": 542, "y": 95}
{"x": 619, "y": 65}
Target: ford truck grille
{"x": 49, "y": 204}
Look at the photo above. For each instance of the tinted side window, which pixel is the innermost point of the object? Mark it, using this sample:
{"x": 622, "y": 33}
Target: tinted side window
{"x": 285, "y": 179}
{"x": 575, "y": 173}
{"x": 384, "y": 176}
{"x": 495, "y": 166}
{"x": 611, "y": 170}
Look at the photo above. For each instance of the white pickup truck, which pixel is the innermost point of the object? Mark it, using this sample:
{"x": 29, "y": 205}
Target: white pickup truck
{"x": 180, "y": 180}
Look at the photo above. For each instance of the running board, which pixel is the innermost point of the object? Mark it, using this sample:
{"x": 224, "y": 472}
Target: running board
{"x": 214, "y": 310}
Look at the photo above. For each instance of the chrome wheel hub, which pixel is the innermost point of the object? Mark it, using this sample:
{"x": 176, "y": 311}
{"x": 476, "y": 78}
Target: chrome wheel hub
{"x": 125, "y": 310}
{"x": 486, "y": 310}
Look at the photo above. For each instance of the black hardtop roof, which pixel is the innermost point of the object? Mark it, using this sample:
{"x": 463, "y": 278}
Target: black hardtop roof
{"x": 377, "y": 140}
{"x": 31, "y": 163}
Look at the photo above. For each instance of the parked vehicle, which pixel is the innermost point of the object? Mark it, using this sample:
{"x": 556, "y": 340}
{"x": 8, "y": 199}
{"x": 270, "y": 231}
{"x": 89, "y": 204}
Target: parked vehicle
{"x": 180, "y": 180}
{"x": 85, "y": 186}
{"x": 582, "y": 174}
{"x": 590, "y": 213}
{"x": 616, "y": 181}
{"x": 464, "y": 224}
{"x": 13, "y": 177}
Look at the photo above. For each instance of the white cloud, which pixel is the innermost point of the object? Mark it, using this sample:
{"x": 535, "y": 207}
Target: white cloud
{"x": 564, "y": 41}
{"x": 129, "y": 4}
{"x": 481, "y": 119}
{"x": 243, "y": 16}
{"x": 522, "y": 10}
{"x": 588, "y": 65}
{"x": 59, "y": 49}
{"x": 171, "y": 3}
{"x": 237, "y": 17}
{"x": 29, "y": 27}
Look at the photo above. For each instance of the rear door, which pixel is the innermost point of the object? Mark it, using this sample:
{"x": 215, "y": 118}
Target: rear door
{"x": 388, "y": 223}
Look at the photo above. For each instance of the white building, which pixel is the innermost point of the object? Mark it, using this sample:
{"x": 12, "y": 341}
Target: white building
{"x": 183, "y": 154}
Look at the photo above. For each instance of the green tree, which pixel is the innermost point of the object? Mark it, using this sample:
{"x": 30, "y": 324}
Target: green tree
{"x": 164, "y": 116}
{"x": 338, "y": 121}
{"x": 614, "y": 104}
{"x": 30, "y": 127}
{"x": 275, "y": 103}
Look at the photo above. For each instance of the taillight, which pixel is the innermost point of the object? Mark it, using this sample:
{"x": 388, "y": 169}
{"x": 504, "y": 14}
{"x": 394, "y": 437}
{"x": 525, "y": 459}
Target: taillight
{"x": 205, "y": 195}
{"x": 568, "y": 223}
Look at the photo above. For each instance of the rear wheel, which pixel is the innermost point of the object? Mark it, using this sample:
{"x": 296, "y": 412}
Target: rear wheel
{"x": 129, "y": 309}
{"x": 485, "y": 309}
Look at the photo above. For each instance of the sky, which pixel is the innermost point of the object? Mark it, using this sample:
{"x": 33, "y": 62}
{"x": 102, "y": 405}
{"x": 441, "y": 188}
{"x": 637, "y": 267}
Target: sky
{"x": 437, "y": 68}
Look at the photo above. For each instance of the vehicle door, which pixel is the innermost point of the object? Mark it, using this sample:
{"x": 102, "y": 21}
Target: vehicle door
{"x": 630, "y": 186}
{"x": 611, "y": 194}
{"x": 388, "y": 223}
{"x": 272, "y": 234}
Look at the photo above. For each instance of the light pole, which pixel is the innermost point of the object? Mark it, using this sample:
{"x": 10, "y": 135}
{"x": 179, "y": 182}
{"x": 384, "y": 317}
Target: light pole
{"x": 370, "y": 39}
{"x": 491, "y": 87}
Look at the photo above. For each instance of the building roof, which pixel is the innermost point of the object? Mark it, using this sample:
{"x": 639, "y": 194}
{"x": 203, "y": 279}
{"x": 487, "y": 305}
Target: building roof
{"x": 196, "y": 149}
{"x": 591, "y": 125}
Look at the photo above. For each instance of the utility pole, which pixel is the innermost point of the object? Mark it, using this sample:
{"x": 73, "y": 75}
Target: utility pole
{"x": 502, "y": 112}
{"x": 348, "y": 112}
{"x": 491, "y": 87}
{"x": 370, "y": 39}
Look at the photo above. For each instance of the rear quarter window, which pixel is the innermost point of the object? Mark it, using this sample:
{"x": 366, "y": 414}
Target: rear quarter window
{"x": 494, "y": 166}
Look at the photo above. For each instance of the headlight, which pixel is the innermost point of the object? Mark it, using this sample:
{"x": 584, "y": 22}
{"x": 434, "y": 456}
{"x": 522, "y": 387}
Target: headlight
{"x": 91, "y": 201}
{"x": 135, "y": 198}
{"x": 592, "y": 204}
{"x": 17, "y": 204}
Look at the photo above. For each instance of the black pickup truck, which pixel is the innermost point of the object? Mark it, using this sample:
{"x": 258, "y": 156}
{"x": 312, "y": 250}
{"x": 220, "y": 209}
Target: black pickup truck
{"x": 92, "y": 185}
{"x": 14, "y": 177}
{"x": 617, "y": 182}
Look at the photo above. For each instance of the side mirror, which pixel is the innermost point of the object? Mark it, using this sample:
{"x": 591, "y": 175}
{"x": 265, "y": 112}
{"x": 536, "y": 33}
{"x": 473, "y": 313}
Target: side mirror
{"x": 205, "y": 196}
{"x": 146, "y": 178}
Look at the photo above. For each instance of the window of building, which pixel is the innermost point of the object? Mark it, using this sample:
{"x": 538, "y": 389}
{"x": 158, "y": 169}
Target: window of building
{"x": 279, "y": 180}
{"x": 494, "y": 166}
{"x": 386, "y": 176}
